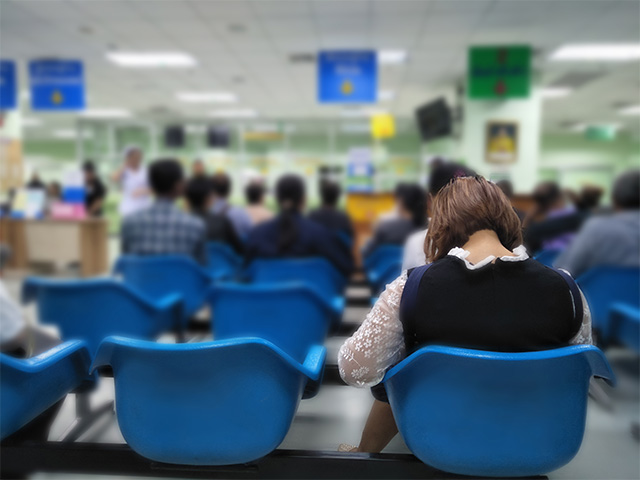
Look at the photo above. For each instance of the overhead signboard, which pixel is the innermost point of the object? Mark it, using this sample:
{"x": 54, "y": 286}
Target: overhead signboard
{"x": 8, "y": 85}
{"x": 57, "y": 85}
{"x": 347, "y": 76}
{"x": 499, "y": 72}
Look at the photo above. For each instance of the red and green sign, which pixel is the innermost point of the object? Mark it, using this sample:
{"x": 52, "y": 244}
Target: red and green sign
{"x": 499, "y": 72}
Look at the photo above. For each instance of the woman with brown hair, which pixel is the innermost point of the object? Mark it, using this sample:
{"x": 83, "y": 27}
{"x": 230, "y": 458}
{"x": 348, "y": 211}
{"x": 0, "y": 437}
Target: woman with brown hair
{"x": 478, "y": 290}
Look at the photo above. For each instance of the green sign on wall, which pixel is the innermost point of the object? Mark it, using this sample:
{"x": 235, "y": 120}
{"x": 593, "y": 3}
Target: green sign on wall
{"x": 499, "y": 72}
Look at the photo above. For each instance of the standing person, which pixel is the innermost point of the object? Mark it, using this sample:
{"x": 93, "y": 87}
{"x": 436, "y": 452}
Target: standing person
{"x": 218, "y": 227}
{"x": 36, "y": 183}
{"x": 221, "y": 183}
{"x": 328, "y": 214}
{"x": 95, "y": 190}
{"x": 254, "y": 192}
{"x": 163, "y": 229}
{"x": 132, "y": 178}
{"x": 289, "y": 234}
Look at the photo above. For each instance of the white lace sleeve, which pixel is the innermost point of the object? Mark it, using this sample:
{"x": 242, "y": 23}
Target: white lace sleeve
{"x": 378, "y": 344}
{"x": 584, "y": 334}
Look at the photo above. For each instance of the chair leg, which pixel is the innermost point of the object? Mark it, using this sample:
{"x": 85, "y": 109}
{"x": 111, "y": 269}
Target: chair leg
{"x": 599, "y": 395}
{"x": 85, "y": 417}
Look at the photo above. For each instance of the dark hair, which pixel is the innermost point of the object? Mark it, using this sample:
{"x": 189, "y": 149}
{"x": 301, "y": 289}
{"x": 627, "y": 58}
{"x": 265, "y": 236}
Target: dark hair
{"x": 414, "y": 199}
{"x": 197, "y": 193}
{"x": 164, "y": 175}
{"x": 221, "y": 184}
{"x": 466, "y": 206}
{"x": 589, "y": 197}
{"x": 330, "y": 193}
{"x": 506, "y": 186}
{"x": 290, "y": 193}
{"x": 254, "y": 193}
{"x": 88, "y": 166}
{"x": 546, "y": 194}
{"x": 626, "y": 190}
{"x": 443, "y": 173}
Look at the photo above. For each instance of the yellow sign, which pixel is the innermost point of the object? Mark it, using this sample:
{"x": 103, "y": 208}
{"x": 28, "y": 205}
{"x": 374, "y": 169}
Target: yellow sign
{"x": 57, "y": 97}
{"x": 382, "y": 126}
{"x": 347, "y": 87}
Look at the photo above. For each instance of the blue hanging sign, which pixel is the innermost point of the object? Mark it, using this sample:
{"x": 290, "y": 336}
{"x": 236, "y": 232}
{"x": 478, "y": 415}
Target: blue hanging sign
{"x": 57, "y": 85}
{"x": 8, "y": 85}
{"x": 347, "y": 76}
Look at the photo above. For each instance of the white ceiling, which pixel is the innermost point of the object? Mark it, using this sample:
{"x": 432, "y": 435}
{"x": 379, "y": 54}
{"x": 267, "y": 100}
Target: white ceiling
{"x": 254, "y": 63}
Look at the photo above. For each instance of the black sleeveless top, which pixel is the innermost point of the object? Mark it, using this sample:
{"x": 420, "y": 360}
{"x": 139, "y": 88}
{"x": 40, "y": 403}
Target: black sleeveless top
{"x": 503, "y": 306}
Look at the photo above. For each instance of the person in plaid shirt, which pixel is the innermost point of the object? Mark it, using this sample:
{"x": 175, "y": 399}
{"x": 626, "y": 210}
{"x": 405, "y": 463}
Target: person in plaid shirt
{"x": 163, "y": 229}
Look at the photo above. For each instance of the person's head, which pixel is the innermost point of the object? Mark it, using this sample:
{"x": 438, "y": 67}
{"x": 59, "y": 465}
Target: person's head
{"x": 221, "y": 185}
{"x": 290, "y": 193}
{"x": 89, "y": 169}
{"x": 54, "y": 190}
{"x": 465, "y": 206}
{"x": 413, "y": 204}
{"x": 254, "y": 192}
{"x": 626, "y": 191}
{"x": 443, "y": 173}
{"x": 35, "y": 177}
{"x": 166, "y": 178}
{"x": 588, "y": 198}
{"x": 133, "y": 157}
{"x": 197, "y": 168}
{"x": 329, "y": 193}
{"x": 507, "y": 188}
{"x": 199, "y": 194}
{"x": 547, "y": 196}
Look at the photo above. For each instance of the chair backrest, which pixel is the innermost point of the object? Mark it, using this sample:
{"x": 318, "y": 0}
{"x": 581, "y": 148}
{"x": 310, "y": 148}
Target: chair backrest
{"x": 316, "y": 272}
{"x": 223, "y": 261}
{"x": 158, "y": 276}
{"x": 214, "y": 403}
{"x": 388, "y": 275}
{"x": 382, "y": 256}
{"x": 92, "y": 310}
{"x": 625, "y": 325}
{"x": 547, "y": 257}
{"x": 29, "y": 386}
{"x": 494, "y": 414}
{"x": 291, "y": 316}
{"x": 604, "y": 286}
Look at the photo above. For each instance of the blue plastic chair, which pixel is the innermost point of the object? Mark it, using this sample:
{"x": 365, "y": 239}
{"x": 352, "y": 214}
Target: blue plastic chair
{"x": 385, "y": 277}
{"x": 382, "y": 256}
{"x": 547, "y": 257}
{"x": 604, "y": 286}
{"x": 92, "y": 310}
{"x": 291, "y": 316}
{"x": 31, "y": 386}
{"x": 317, "y": 273}
{"x": 625, "y": 325}
{"x": 492, "y": 414}
{"x": 214, "y": 403}
{"x": 158, "y": 276}
{"x": 223, "y": 261}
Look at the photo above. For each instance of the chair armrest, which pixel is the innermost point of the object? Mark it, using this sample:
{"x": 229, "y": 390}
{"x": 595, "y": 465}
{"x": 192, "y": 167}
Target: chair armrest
{"x": 45, "y": 359}
{"x": 313, "y": 367}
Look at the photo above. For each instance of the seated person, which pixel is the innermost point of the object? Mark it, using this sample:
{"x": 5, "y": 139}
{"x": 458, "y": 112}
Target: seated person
{"x": 328, "y": 214}
{"x": 221, "y": 183}
{"x": 289, "y": 234}
{"x": 219, "y": 228}
{"x": 258, "y": 213}
{"x": 480, "y": 291}
{"x": 411, "y": 211}
{"x": 507, "y": 188}
{"x": 611, "y": 240}
{"x": 162, "y": 229}
{"x": 441, "y": 174}
{"x": 551, "y": 224}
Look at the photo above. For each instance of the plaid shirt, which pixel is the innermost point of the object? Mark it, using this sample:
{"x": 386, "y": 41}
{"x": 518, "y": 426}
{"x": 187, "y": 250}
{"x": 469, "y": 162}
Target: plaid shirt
{"x": 164, "y": 229}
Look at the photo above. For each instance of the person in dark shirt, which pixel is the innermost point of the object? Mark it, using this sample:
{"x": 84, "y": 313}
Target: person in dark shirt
{"x": 96, "y": 192}
{"x": 328, "y": 214}
{"x": 289, "y": 234}
{"x": 36, "y": 183}
{"x": 199, "y": 195}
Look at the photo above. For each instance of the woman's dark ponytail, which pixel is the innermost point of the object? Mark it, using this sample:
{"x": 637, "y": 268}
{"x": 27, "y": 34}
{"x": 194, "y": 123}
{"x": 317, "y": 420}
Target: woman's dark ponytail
{"x": 290, "y": 195}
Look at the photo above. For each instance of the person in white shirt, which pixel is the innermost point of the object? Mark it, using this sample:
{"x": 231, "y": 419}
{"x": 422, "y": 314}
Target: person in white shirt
{"x": 132, "y": 178}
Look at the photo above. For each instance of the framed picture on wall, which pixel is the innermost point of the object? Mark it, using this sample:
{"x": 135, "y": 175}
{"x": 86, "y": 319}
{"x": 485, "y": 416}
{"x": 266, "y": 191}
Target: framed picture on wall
{"x": 501, "y": 140}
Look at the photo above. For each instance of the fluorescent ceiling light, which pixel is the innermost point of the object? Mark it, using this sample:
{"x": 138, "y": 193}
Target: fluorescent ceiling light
{"x": 385, "y": 95}
{"x": 392, "y": 57}
{"x": 632, "y": 110}
{"x": 613, "y": 52}
{"x": 555, "y": 92}
{"x": 235, "y": 113}
{"x": 31, "y": 122}
{"x": 71, "y": 133}
{"x": 106, "y": 113}
{"x": 152, "y": 59}
{"x": 207, "y": 97}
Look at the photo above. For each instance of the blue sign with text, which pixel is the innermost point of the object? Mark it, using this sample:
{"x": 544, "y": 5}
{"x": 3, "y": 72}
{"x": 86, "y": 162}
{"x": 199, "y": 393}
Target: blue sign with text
{"x": 57, "y": 85}
{"x": 8, "y": 85}
{"x": 346, "y": 76}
